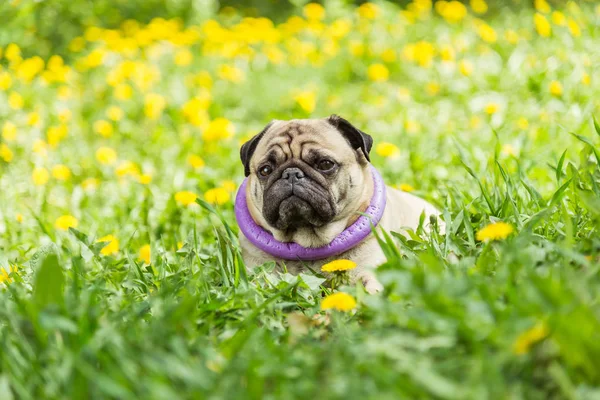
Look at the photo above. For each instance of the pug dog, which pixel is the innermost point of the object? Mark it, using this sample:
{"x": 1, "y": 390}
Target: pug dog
{"x": 308, "y": 180}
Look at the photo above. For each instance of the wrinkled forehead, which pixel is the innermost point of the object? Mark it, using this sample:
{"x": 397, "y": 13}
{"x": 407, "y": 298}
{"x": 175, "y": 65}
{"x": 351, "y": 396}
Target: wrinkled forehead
{"x": 297, "y": 138}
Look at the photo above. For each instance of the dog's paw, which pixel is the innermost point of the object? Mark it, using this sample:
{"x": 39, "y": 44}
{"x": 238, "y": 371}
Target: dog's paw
{"x": 371, "y": 284}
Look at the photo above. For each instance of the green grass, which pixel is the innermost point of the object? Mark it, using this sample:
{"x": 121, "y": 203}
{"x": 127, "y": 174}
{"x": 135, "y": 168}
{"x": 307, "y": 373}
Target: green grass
{"x": 459, "y": 318}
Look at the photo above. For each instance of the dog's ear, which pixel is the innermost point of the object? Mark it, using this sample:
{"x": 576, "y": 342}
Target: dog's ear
{"x": 248, "y": 148}
{"x": 357, "y": 138}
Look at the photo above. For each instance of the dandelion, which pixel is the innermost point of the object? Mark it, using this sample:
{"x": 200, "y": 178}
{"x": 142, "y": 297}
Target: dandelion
{"x": 217, "y": 196}
{"x": 19, "y": 218}
{"x": 452, "y": 11}
{"x": 65, "y": 222}
{"x": 432, "y": 88}
{"x": 556, "y": 89}
{"x": 145, "y": 179}
{"x": 145, "y": 253}
{"x": 114, "y": 113}
{"x": 106, "y": 155}
{"x": 218, "y": 129}
{"x": 12, "y": 53}
{"x": 307, "y": 100}
{"x": 5, "y": 274}
{"x": 313, "y": 12}
{"x": 6, "y": 153}
{"x": 230, "y": 186}
{"x": 465, "y": 67}
{"x": 487, "y": 33}
{"x": 368, "y": 11}
{"x": 112, "y": 245}
{"x": 103, "y": 128}
{"x": 338, "y": 301}
{"x": 33, "y": 119}
{"x": 511, "y": 36}
{"x": 89, "y": 184}
{"x": 509, "y": 150}
{"x": 123, "y": 92}
{"x": 527, "y": 339}
{"x": 542, "y": 6}
{"x": 522, "y": 123}
{"x": 9, "y": 131}
{"x": 495, "y": 231}
{"x": 491, "y": 108}
{"x": 338, "y": 265}
{"x": 195, "y": 161}
{"x": 378, "y": 73}
{"x": 154, "y": 105}
{"x": 185, "y": 198}
{"x": 40, "y": 176}
{"x": 183, "y": 57}
{"x": 574, "y": 28}
{"x": 5, "y": 80}
{"x": 542, "y": 26}
{"x": 61, "y": 172}
{"x": 387, "y": 150}
{"x": 230, "y": 73}
{"x": 479, "y": 6}
{"x": 559, "y": 18}
{"x": 405, "y": 187}
{"x": 127, "y": 168}
{"x": 15, "y": 101}
{"x": 586, "y": 79}
{"x": 64, "y": 115}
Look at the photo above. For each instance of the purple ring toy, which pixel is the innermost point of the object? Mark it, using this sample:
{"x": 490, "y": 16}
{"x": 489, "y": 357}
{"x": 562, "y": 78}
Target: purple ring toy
{"x": 346, "y": 240}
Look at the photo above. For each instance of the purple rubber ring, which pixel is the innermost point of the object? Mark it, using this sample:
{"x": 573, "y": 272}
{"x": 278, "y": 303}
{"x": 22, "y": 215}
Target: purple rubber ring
{"x": 346, "y": 240}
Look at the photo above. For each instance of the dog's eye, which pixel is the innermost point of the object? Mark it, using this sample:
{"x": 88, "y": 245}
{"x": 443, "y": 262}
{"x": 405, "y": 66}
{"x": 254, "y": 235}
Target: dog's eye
{"x": 325, "y": 165}
{"x": 265, "y": 170}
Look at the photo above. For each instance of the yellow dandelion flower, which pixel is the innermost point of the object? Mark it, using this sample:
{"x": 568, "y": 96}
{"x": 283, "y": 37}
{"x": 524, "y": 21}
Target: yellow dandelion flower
{"x": 123, "y": 92}
{"x": 217, "y": 196}
{"x": 574, "y": 28}
{"x": 218, "y": 129}
{"x": 509, "y": 150}
{"x": 40, "y": 176}
{"x": 452, "y": 11}
{"x": 487, "y": 33}
{"x": 388, "y": 55}
{"x": 586, "y": 79}
{"x": 491, "y": 108}
{"x": 307, "y": 100}
{"x": 465, "y": 67}
{"x": 230, "y": 73}
{"x": 145, "y": 253}
{"x": 338, "y": 301}
{"x": 15, "y": 101}
{"x": 479, "y": 6}
{"x": 542, "y": 6}
{"x": 12, "y": 53}
{"x": 185, "y": 198}
{"x": 378, "y": 73}
{"x": 368, "y": 11}
{"x": 522, "y": 123}
{"x": 127, "y": 168}
{"x": 112, "y": 247}
{"x": 559, "y": 18}
{"x": 33, "y": 119}
{"x": 5, "y": 80}
{"x": 313, "y": 12}
{"x": 145, "y": 179}
{"x": 61, "y": 172}
{"x": 405, "y": 187}
{"x": 338, "y": 265}
{"x": 6, "y": 153}
{"x": 9, "y": 131}
{"x": 432, "y": 88}
{"x": 195, "y": 161}
{"x": 495, "y": 231}
{"x": 103, "y": 128}
{"x": 106, "y": 155}
{"x": 154, "y": 105}
{"x": 556, "y": 89}
{"x": 542, "y": 26}
{"x": 65, "y": 222}
{"x": 19, "y": 218}
{"x": 114, "y": 113}
{"x": 357, "y": 49}
{"x": 89, "y": 184}
{"x": 387, "y": 150}
{"x": 183, "y": 57}
{"x": 527, "y": 339}
{"x": 5, "y": 274}
{"x": 228, "y": 185}
{"x": 64, "y": 92}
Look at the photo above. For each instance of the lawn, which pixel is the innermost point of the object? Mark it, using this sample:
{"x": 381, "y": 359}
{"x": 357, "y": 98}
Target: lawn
{"x": 120, "y": 272}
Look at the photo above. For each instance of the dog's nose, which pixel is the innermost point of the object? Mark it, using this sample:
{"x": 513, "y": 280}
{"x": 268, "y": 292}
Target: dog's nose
{"x": 292, "y": 174}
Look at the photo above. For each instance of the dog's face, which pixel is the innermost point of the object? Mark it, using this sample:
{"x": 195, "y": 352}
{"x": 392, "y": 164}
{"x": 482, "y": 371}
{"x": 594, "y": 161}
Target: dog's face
{"x": 307, "y": 178}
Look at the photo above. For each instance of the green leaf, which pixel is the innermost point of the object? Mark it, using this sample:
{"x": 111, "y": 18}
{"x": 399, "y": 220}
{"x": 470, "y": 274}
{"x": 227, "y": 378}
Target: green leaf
{"x": 559, "y": 167}
{"x": 596, "y": 125}
{"x": 49, "y": 283}
{"x": 560, "y": 192}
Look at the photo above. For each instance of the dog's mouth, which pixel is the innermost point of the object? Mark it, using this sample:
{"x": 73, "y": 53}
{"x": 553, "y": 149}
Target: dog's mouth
{"x": 289, "y": 206}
